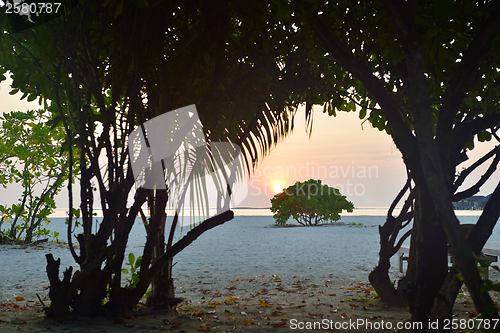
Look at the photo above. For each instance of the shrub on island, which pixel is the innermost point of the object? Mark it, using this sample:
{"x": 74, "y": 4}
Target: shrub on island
{"x": 309, "y": 203}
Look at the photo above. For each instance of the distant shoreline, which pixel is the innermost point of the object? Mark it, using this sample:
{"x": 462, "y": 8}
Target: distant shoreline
{"x": 266, "y": 211}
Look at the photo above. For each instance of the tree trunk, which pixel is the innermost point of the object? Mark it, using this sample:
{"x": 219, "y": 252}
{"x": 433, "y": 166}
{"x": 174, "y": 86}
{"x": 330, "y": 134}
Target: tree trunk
{"x": 448, "y": 293}
{"x": 59, "y": 296}
{"x": 379, "y": 278}
{"x": 163, "y": 291}
{"x": 427, "y": 265}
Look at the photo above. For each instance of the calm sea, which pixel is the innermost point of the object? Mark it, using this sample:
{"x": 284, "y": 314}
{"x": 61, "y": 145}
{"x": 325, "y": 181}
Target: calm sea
{"x": 250, "y": 245}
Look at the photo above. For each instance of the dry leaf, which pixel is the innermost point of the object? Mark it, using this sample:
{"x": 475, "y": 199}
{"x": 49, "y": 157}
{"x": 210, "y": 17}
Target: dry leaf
{"x": 18, "y": 298}
{"x": 248, "y": 322}
{"x": 276, "y": 313}
{"x": 262, "y": 303}
{"x": 176, "y": 324}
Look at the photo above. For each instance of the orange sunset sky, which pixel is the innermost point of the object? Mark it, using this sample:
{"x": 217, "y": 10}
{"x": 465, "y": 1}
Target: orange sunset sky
{"x": 362, "y": 162}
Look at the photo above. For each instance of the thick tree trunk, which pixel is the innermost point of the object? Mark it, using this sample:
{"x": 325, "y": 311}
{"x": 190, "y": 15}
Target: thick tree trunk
{"x": 92, "y": 292}
{"x": 427, "y": 266}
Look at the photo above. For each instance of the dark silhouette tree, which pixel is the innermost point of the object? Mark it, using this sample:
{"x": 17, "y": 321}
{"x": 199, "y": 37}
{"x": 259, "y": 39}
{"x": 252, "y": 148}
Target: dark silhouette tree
{"x": 107, "y": 69}
{"x": 426, "y": 73}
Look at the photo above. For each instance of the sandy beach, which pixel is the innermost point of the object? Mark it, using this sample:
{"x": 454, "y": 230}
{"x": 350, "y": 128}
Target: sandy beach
{"x": 245, "y": 276}
{"x": 259, "y": 304}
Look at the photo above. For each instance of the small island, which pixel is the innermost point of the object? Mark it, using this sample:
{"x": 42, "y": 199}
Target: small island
{"x": 310, "y": 203}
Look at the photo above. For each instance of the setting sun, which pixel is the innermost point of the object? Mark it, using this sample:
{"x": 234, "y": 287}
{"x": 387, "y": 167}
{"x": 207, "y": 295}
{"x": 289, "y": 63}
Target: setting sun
{"x": 278, "y": 189}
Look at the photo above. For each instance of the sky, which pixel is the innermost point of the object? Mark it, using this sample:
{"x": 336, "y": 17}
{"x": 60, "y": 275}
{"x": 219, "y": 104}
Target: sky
{"x": 363, "y": 163}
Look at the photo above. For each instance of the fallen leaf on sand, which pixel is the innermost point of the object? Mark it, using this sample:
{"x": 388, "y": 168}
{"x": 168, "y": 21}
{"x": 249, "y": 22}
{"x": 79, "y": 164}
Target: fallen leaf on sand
{"x": 248, "y": 322}
{"x": 204, "y": 328}
{"x": 18, "y": 298}
{"x": 262, "y": 303}
{"x": 176, "y": 324}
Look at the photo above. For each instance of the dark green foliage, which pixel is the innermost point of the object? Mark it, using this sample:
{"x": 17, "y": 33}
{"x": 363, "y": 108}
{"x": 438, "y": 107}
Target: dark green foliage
{"x": 309, "y": 203}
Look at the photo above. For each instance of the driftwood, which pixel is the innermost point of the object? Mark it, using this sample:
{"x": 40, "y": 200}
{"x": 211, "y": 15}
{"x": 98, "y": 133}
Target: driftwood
{"x": 40, "y": 241}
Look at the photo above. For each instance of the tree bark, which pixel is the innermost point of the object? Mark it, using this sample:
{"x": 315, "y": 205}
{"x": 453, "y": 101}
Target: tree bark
{"x": 59, "y": 290}
{"x": 443, "y": 305}
{"x": 427, "y": 265}
{"x": 379, "y": 277}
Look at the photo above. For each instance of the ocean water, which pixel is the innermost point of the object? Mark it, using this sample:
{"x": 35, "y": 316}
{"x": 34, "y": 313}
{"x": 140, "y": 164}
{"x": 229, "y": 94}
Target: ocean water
{"x": 247, "y": 246}
{"x": 250, "y": 245}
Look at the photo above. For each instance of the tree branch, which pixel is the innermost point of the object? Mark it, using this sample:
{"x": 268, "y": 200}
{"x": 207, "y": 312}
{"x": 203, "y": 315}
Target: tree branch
{"x": 465, "y": 173}
{"x": 474, "y": 189}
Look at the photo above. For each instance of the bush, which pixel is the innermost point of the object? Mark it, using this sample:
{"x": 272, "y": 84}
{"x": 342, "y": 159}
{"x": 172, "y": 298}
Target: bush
{"x": 309, "y": 203}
